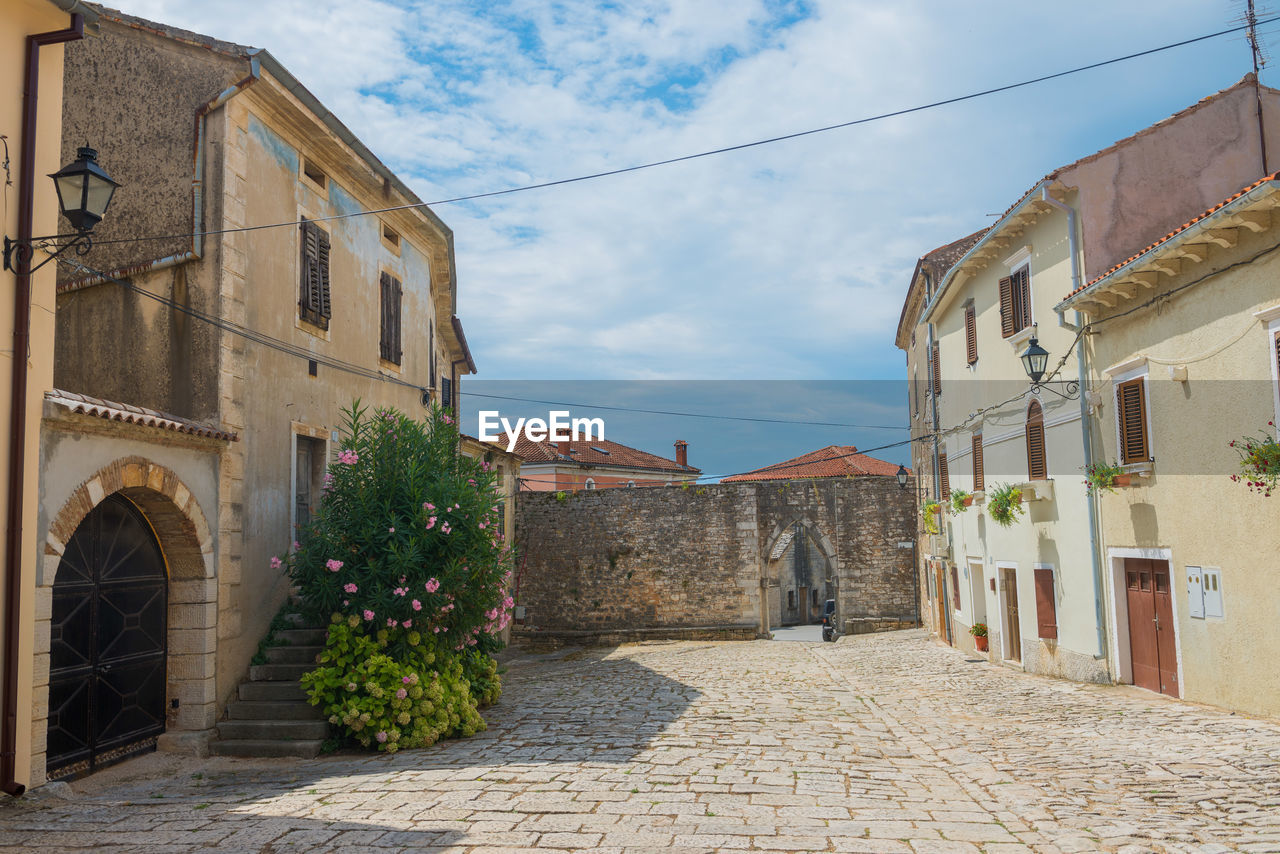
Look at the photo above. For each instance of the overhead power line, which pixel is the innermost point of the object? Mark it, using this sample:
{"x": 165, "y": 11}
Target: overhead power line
{"x": 724, "y": 150}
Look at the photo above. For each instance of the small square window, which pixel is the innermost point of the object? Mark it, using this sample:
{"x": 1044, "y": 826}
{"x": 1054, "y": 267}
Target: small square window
{"x": 391, "y": 238}
{"x": 315, "y": 174}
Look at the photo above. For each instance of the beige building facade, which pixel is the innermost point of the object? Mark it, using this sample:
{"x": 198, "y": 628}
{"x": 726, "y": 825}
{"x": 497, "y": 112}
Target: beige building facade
{"x": 1185, "y": 358}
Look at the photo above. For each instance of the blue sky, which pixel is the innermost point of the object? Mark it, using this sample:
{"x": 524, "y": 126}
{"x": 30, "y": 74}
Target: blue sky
{"x": 784, "y": 262}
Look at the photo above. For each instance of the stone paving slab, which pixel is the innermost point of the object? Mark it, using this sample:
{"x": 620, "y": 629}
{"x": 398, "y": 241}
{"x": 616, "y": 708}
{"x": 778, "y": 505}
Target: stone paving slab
{"x": 884, "y": 743}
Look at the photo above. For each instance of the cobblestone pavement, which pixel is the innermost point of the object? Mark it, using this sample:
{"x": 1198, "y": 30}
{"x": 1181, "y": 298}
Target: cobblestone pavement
{"x": 879, "y": 744}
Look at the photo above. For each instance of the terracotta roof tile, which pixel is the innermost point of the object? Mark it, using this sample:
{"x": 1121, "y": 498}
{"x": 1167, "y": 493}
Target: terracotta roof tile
{"x": 130, "y": 414}
{"x": 1210, "y": 212}
{"x": 831, "y": 461}
{"x": 597, "y": 453}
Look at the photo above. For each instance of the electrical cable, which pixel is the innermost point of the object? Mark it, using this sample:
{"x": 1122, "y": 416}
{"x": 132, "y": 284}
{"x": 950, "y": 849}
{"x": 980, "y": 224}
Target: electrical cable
{"x": 716, "y": 151}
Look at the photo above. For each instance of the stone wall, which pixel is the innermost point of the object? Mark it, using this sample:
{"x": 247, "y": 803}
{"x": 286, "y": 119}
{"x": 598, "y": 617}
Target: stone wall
{"x": 662, "y": 561}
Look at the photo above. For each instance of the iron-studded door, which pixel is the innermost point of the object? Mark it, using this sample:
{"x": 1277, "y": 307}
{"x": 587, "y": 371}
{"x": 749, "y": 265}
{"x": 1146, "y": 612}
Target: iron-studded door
{"x": 1152, "y": 650}
{"x": 107, "y": 642}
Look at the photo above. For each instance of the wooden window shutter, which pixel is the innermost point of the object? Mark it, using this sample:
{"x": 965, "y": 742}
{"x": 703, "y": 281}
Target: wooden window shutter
{"x": 955, "y": 587}
{"x": 309, "y": 276}
{"x": 1007, "y": 320}
{"x": 1131, "y": 412}
{"x": 397, "y": 306}
{"x": 446, "y": 392}
{"x": 979, "y": 478}
{"x": 1022, "y": 298}
{"x": 944, "y": 476}
{"x": 431, "y": 351}
{"x": 1036, "y": 468}
{"x": 384, "y": 316}
{"x": 936, "y": 369}
{"x": 1046, "y": 605}
{"x": 971, "y": 333}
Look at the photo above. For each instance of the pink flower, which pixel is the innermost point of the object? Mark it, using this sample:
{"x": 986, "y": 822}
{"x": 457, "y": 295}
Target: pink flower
{"x": 401, "y": 694}
{"x": 427, "y": 505}
{"x": 391, "y": 624}
{"x": 408, "y": 624}
{"x": 417, "y": 606}
{"x": 391, "y": 530}
{"x": 400, "y": 591}
{"x": 381, "y": 737}
{"x": 432, "y": 585}
{"x": 348, "y": 458}
{"x": 431, "y": 523}
{"x": 350, "y": 587}
{"x": 482, "y": 526}
{"x": 276, "y": 563}
{"x": 346, "y": 602}
{"x": 333, "y": 565}
{"x": 297, "y": 545}
{"x": 368, "y": 615}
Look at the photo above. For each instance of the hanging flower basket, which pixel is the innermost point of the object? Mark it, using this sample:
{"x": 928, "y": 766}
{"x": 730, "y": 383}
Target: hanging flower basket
{"x": 960, "y": 500}
{"x": 931, "y": 512}
{"x": 1259, "y": 462}
{"x": 1004, "y": 504}
{"x": 1104, "y": 477}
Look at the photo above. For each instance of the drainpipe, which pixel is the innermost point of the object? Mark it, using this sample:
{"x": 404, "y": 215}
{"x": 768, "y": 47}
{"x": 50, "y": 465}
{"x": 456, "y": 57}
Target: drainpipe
{"x": 18, "y": 402}
{"x": 1085, "y": 438}
{"x": 196, "y": 252}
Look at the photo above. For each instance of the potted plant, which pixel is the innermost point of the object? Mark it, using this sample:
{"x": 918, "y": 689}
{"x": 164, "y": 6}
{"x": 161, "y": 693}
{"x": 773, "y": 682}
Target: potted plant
{"x": 1004, "y": 503}
{"x": 960, "y": 500}
{"x": 1259, "y": 462}
{"x": 1104, "y": 476}
{"x": 930, "y": 512}
{"x": 979, "y": 632}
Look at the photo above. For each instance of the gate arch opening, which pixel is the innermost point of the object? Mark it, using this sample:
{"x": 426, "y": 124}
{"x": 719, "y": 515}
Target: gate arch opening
{"x": 801, "y": 571}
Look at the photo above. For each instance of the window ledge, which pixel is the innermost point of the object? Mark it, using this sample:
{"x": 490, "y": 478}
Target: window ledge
{"x": 979, "y": 497}
{"x": 1022, "y": 336}
{"x": 1144, "y": 469}
{"x": 1037, "y": 490}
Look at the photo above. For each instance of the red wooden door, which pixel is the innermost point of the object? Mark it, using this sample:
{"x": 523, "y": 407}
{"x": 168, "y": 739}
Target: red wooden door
{"x": 1151, "y": 641}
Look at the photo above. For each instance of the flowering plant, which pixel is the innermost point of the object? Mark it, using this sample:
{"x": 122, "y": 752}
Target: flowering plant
{"x": 978, "y": 630}
{"x": 405, "y": 557}
{"x": 1259, "y": 462}
{"x": 930, "y": 512}
{"x": 1102, "y": 476}
{"x": 960, "y": 500}
{"x": 1004, "y": 503}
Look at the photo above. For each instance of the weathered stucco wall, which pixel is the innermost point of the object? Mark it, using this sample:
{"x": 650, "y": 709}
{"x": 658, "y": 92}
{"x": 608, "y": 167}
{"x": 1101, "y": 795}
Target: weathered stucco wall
{"x": 674, "y": 558}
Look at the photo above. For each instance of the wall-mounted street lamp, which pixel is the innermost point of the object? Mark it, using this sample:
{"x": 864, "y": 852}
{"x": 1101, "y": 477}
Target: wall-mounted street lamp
{"x": 903, "y": 475}
{"x": 1035, "y": 361}
{"x": 84, "y": 193}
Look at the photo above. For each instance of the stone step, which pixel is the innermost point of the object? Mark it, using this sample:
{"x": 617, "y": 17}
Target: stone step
{"x": 298, "y": 621}
{"x": 307, "y": 749}
{"x": 283, "y": 690}
{"x": 273, "y": 710}
{"x": 278, "y": 672}
{"x": 293, "y": 654}
{"x": 301, "y": 637}
{"x": 273, "y": 730}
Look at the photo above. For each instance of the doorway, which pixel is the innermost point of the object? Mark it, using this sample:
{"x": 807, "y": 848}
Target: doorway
{"x": 943, "y": 615}
{"x": 1153, "y": 649}
{"x": 107, "y": 642}
{"x": 1011, "y": 635}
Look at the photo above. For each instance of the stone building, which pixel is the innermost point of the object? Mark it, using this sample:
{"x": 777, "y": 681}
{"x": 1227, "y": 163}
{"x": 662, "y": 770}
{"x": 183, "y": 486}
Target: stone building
{"x": 598, "y": 464}
{"x": 262, "y": 335}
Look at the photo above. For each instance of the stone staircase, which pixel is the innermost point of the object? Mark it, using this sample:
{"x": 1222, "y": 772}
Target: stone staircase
{"x": 271, "y": 715}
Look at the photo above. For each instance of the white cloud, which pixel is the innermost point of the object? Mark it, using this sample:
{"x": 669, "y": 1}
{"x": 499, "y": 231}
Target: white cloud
{"x": 787, "y": 260}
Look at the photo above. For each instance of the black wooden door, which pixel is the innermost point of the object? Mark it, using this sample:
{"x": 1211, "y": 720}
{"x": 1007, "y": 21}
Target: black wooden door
{"x": 107, "y": 642}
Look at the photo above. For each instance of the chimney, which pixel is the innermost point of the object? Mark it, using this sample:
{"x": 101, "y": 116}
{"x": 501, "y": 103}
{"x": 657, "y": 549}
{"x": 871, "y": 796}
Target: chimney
{"x": 563, "y": 448}
{"x": 682, "y": 452}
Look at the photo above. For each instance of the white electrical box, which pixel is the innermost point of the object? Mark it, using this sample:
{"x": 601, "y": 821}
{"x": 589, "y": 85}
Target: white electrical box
{"x": 1195, "y": 592}
{"x": 1213, "y": 592}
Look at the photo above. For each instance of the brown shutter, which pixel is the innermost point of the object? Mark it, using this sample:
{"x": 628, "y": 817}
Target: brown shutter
{"x": 955, "y": 587}
{"x": 384, "y": 316}
{"x": 307, "y": 269}
{"x": 979, "y": 477}
{"x": 431, "y": 351}
{"x": 1036, "y": 468}
{"x": 323, "y": 306}
{"x": 944, "y": 476}
{"x": 1131, "y": 412}
{"x": 397, "y": 303}
{"x": 971, "y": 333}
{"x": 1046, "y": 604}
{"x": 1007, "y": 321}
{"x": 1022, "y": 299}
{"x": 936, "y": 368}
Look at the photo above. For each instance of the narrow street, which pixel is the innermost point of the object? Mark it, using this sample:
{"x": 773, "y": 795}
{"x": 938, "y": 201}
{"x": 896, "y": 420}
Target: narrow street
{"x": 883, "y": 743}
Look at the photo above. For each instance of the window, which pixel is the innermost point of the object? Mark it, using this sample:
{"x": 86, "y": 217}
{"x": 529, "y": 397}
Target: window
{"x": 446, "y": 392}
{"x": 1046, "y": 604}
{"x": 955, "y": 587}
{"x": 979, "y": 478}
{"x": 315, "y": 174}
{"x": 971, "y": 333}
{"x": 944, "y": 477}
{"x": 813, "y": 597}
{"x": 1015, "y": 302}
{"x": 935, "y": 369}
{"x": 1036, "y": 468}
{"x": 389, "y": 338}
{"x": 631, "y": 484}
{"x": 431, "y": 351}
{"x": 391, "y": 238}
{"x": 313, "y": 299}
{"x": 1131, "y": 416}
{"x": 591, "y": 484}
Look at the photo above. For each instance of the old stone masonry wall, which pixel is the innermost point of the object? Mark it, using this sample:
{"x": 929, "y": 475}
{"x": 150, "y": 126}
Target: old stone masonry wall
{"x": 627, "y": 563}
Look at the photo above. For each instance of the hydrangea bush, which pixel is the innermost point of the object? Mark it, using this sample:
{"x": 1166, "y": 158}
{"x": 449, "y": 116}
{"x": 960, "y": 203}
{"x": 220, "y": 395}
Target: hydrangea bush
{"x": 406, "y": 559}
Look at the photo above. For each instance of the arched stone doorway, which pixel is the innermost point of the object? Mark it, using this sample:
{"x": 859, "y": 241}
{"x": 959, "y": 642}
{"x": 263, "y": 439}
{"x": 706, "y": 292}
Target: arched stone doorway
{"x": 129, "y": 555}
{"x": 801, "y": 569}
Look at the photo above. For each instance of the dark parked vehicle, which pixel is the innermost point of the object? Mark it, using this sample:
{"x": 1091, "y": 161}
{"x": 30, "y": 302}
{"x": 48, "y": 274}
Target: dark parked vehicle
{"x": 829, "y": 631}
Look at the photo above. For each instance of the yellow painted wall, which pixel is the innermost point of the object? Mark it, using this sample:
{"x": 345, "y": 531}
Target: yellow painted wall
{"x": 1188, "y": 509}
{"x": 18, "y": 19}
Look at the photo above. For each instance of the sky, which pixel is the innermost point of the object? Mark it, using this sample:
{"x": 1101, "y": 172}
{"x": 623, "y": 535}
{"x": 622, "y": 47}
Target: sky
{"x": 782, "y": 262}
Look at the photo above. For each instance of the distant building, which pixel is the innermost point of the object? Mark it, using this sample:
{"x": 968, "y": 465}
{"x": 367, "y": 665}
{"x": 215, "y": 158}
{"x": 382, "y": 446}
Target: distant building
{"x": 831, "y": 461}
{"x": 600, "y": 464}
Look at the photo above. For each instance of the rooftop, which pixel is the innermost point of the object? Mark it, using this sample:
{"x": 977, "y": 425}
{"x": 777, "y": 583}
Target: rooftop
{"x": 831, "y": 461}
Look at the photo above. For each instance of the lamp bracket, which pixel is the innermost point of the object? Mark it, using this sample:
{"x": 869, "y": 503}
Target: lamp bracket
{"x": 18, "y": 253}
{"x": 1072, "y": 388}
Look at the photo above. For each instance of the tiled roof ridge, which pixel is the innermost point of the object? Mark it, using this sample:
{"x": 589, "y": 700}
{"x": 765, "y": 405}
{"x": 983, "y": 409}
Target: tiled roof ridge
{"x": 1188, "y": 224}
{"x": 830, "y": 461}
{"x": 628, "y": 457}
{"x": 130, "y": 414}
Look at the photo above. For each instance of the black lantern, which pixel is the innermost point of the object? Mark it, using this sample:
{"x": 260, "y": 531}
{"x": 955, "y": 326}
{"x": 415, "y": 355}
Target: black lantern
{"x": 84, "y": 190}
{"x": 902, "y": 476}
{"x": 1035, "y": 360}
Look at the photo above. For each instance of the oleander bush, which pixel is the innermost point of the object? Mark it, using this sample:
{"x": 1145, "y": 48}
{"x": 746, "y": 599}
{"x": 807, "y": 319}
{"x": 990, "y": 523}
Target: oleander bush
{"x": 406, "y": 560}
